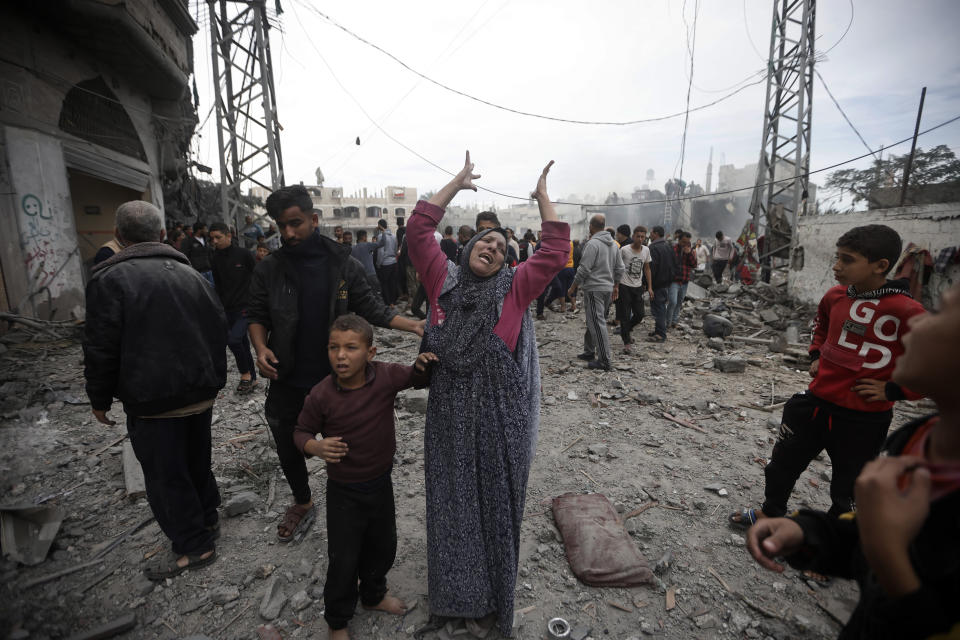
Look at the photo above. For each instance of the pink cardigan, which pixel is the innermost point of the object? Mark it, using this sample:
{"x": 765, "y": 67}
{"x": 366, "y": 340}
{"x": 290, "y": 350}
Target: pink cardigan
{"x": 529, "y": 280}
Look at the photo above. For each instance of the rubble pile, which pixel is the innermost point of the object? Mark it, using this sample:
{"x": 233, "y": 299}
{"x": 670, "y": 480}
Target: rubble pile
{"x": 675, "y": 437}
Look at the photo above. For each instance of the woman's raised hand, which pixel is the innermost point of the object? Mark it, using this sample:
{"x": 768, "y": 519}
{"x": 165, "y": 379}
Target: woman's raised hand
{"x": 461, "y": 181}
{"x": 465, "y": 178}
{"x": 540, "y": 193}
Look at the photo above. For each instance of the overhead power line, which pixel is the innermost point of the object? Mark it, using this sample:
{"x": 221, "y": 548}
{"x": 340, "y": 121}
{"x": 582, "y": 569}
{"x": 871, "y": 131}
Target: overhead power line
{"x": 619, "y": 204}
{"x": 519, "y": 111}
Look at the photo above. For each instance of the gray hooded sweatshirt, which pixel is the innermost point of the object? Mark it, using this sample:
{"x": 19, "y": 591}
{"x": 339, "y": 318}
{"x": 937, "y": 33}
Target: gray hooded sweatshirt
{"x": 600, "y": 264}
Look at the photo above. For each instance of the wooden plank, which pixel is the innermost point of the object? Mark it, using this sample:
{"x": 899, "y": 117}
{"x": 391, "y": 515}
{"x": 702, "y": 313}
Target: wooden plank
{"x": 132, "y": 473}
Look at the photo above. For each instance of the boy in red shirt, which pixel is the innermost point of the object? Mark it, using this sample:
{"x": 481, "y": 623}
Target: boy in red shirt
{"x": 347, "y": 419}
{"x": 901, "y": 544}
{"x": 858, "y": 336}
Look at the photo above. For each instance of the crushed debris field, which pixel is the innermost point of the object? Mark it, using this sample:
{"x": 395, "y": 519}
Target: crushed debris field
{"x": 676, "y": 436}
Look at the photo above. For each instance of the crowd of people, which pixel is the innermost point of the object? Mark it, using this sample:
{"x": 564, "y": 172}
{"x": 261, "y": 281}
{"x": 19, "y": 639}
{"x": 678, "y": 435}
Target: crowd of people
{"x": 161, "y": 315}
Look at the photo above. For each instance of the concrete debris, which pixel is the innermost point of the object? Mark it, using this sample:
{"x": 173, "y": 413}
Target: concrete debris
{"x": 415, "y": 400}
{"x": 721, "y": 431}
{"x": 225, "y": 594}
{"x": 300, "y": 600}
{"x": 730, "y": 365}
{"x": 241, "y": 503}
{"x": 696, "y": 292}
{"x": 271, "y": 604}
{"x": 715, "y": 326}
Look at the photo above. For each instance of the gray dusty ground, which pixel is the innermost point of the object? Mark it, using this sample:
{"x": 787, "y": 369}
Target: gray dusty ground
{"x": 49, "y": 443}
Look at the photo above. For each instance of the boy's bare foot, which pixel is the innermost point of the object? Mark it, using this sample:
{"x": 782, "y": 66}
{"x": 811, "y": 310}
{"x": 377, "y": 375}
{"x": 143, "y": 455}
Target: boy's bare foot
{"x": 338, "y": 634}
{"x": 389, "y": 604}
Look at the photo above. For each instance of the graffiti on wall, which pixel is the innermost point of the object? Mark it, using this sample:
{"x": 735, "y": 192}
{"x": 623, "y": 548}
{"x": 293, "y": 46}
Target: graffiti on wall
{"x": 46, "y": 247}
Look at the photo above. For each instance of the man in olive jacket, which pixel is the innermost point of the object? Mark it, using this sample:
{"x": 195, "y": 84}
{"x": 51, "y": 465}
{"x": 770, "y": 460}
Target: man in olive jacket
{"x": 295, "y": 294}
{"x": 155, "y": 339}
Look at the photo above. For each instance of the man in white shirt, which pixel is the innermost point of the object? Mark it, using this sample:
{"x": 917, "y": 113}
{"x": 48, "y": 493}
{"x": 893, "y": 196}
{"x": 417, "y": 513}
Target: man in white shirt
{"x": 703, "y": 256}
{"x": 722, "y": 253}
{"x": 633, "y": 283}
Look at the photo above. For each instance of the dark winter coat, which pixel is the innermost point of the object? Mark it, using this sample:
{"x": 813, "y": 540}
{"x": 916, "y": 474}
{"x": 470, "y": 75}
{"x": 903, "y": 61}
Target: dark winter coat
{"x": 274, "y": 299}
{"x": 155, "y": 332}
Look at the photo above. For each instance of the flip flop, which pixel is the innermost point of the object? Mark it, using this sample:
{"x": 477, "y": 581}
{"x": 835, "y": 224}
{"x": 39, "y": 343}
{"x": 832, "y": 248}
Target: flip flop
{"x": 297, "y": 521}
{"x": 743, "y": 519}
{"x": 167, "y": 567}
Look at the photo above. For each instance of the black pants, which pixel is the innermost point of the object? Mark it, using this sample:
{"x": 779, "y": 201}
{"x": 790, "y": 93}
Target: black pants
{"x": 810, "y": 425}
{"x": 658, "y": 307}
{"x": 175, "y": 456}
{"x": 361, "y": 545}
{"x": 239, "y": 344}
{"x": 374, "y": 283}
{"x": 282, "y": 410}
{"x": 629, "y": 310}
{"x": 416, "y": 304}
{"x": 389, "y": 283}
{"x": 718, "y": 267}
{"x": 553, "y": 291}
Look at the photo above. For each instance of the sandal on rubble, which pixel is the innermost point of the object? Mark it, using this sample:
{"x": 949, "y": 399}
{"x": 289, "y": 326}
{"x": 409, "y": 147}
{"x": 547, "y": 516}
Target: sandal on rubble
{"x": 743, "y": 519}
{"x": 296, "y": 521}
{"x": 246, "y": 386}
{"x": 167, "y": 567}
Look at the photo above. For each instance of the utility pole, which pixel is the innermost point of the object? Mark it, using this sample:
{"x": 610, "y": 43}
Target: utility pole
{"x": 913, "y": 150}
{"x": 248, "y": 131}
{"x": 786, "y": 127}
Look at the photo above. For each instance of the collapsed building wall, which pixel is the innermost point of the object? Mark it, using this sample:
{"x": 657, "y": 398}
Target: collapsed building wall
{"x": 88, "y": 106}
{"x": 932, "y": 227}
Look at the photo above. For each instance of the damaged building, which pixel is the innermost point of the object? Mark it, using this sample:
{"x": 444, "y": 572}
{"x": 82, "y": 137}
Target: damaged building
{"x": 95, "y": 110}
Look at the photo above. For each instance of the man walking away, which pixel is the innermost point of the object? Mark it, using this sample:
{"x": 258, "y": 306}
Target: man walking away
{"x": 686, "y": 260}
{"x": 601, "y": 268}
{"x": 155, "y": 338}
{"x": 387, "y": 261}
{"x": 723, "y": 252}
{"x": 663, "y": 269}
{"x": 363, "y": 251}
{"x": 232, "y": 269}
{"x": 449, "y": 244}
{"x": 636, "y": 279}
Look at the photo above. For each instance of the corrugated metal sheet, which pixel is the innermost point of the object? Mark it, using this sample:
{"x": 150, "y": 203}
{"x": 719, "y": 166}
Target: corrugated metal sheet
{"x": 128, "y": 172}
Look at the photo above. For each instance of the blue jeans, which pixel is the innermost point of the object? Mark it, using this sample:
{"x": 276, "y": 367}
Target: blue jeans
{"x": 209, "y": 277}
{"x": 677, "y": 293}
{"x": 658, "y": 307}
{"x": 239, "y": 344}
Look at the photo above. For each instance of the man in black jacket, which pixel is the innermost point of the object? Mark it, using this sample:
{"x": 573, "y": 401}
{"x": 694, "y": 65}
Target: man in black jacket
{"x": 663, "y": 269}
{"x": 198, "y": 251}
{"x": 232, "y": 269}
{"x": 155, "y": 338}
{"x": 295, "y": 294}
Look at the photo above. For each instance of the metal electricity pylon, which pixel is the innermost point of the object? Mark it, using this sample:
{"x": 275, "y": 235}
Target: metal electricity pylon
{"x": 248, "y": 132}
{"x": 785, "y": 150}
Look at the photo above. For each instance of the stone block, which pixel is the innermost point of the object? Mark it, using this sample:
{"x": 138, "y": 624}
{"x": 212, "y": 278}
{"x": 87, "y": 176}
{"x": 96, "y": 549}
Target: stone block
{"x": 730, "y": 365}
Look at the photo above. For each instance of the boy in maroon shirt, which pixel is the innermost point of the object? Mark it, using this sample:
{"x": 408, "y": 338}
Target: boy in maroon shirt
{"x": 347, "y": 419}
{"x": 857, "y": 339}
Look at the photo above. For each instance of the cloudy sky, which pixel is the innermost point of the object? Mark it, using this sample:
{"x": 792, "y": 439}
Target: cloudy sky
{"x": 607, "y": 60}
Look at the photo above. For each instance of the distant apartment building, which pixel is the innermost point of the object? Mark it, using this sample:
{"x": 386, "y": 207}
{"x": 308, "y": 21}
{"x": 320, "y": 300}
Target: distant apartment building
{"x": 360, "y": 209}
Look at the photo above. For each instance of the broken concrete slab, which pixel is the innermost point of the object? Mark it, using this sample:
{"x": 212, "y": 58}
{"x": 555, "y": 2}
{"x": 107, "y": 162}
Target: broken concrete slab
{"x": 716, "y": 343}
{"x": 132, "y": 472}
{"x": 715, "y": 326}
{"x": 27, "y": 532}
{"x": 415, "y": 400}
{"x": 241, "y": 503}
{"x": 696, "y": 292}
{"x": 225, "y": 594}
{"x": 300, "y": 600}
{"x": 730, "y": 365}
{"x": 768, "y": 315}
{"x": 273, "y": 600}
